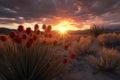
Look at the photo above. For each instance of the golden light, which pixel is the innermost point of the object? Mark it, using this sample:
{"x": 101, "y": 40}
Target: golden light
{"x": 65, "y": 25}
{"x": 62, "y": 30}
{"x": 85, "y": 27}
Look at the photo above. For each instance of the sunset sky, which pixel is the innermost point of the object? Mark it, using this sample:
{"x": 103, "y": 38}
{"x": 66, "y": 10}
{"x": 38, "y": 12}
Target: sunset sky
{"x": 70, "y": 14}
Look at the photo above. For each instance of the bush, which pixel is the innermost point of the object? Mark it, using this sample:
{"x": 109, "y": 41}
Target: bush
{"x": 110, "y": 40}
{"x": 108, "y": 61}
{"x": 27, "y": 58}
{"x": 86, "y": 46}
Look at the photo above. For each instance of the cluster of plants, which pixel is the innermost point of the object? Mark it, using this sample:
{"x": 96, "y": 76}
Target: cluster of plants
{"x": 86, "y": 46}
{"x": 102, "y": 52}
{"x": 25, "y": 55}
{"x": 107, "y": 62}
{"x": 110, "y": 40}
{"x": 47, "y": 30}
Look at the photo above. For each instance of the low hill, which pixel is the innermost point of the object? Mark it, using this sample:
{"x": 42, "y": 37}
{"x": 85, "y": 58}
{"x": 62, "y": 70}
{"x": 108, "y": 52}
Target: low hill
{"x": 5, "y": 30}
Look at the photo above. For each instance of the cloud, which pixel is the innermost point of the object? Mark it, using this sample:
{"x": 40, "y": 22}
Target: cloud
{"x": 96, "y": 7}
{"x": 102, "y": 12}
{"x": 6, "y": 12}
{"x": 49, "y": 11}
{"x": 29, "y": 8}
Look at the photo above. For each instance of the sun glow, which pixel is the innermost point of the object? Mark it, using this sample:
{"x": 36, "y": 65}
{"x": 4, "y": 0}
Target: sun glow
{"x": 62, "y": 30}
{"x": 65, "y": 25}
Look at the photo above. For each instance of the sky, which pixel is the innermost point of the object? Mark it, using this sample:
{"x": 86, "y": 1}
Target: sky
{"x": 71, "y": 14}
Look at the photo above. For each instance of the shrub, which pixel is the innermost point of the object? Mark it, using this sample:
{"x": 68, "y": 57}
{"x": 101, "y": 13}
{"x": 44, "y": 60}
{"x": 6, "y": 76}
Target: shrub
{"x": 110, "y": 40}
{"x": 109, "y": 61}
{"x": 24, "y": 63}
{"x": 86, "y": 46}
{"x": 24, "y": 57}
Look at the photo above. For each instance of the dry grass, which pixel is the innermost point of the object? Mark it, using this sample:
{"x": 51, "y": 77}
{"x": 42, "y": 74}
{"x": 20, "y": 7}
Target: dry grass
{"x": 36, "y": 63}
{"x": 30, "y": 58}
{"x": 86, "y": 46}
{"x": 108, "y": 61}
{"x": 109, "y": 40}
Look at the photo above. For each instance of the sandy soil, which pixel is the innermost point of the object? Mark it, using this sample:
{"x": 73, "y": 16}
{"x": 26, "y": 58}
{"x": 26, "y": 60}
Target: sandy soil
{"x": 80, "y": 69}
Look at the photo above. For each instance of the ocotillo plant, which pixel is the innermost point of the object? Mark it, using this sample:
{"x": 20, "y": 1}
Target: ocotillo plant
{"x": 26, "y": 58}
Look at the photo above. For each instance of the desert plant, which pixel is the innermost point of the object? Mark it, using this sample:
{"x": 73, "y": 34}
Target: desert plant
{"x": 47, "y": 30}
{"x": 108, "y": 61}
{"x": 86, "y": 46}
{"x": 96, "y": 30}
{"x": 36, "y": 27}
{"x": 24, "y": 63}
{"x": 24, "y": 57}
{"x": 20, "y": 28}
{"x": 110, "y": 40}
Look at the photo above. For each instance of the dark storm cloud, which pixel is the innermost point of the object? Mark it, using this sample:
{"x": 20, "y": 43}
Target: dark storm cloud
{"x": 6, "y": 12}
{"x": 103, "y": 6}
{"x": 106, "y": 10}
{"x": 79, "y": 10}
{"x": 27, "y": 8}
{"x": 34, "y": 9}
{"x": 96, "y": 7}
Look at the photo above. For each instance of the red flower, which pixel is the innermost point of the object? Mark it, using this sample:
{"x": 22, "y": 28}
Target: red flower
{"x": 55, "y": 43}
{"x": 44, "y": 41}
{"x": 12, "y": 34}
{"x": 46, "y": 35}
{"x": 66, "y": 47}
{"x": 29, "y": 43}
{"x": 38, "y": 32}
{"x": 18, "y": 39}
{"x": 24, "y": 36}
{"x": 73, "y": 55}
{"x": 3, "y": 38}
{"x": 28, "y": 30}
{"x": 20, "y": 28}
{"x": 64, "y": 61}
{"x": 49, "y": 27}
{"x": 50, "y": 35}
{"x": 44, "y": 26}
{"x": 34, "y": 37}
{"x": 36, "y": 27}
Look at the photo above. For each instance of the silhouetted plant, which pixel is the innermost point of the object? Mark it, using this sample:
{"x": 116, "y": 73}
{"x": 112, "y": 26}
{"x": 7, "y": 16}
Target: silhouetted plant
{"x": 24, "y": 57}
{"x": 47, "y": 30}
{"x": 44, "y": 26}
{"x": 36, "y": 27}
{"x": 20, "y": 28}
{"x": 28, "y": 30}
{"x": 96, "y": 30}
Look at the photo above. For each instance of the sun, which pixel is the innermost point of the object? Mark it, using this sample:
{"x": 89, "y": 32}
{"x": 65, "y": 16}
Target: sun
{"x": 62, "y": 30}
